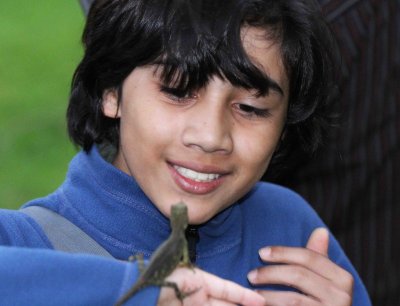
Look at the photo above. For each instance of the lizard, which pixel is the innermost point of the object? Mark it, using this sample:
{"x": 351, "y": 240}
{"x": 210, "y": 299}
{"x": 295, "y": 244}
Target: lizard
{"x": 172, "y": 253}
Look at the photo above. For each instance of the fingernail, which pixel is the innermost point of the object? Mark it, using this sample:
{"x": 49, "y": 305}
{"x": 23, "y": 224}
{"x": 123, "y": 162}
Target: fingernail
{"x": 265, "y": 252}
{"x": 252, "y": 276}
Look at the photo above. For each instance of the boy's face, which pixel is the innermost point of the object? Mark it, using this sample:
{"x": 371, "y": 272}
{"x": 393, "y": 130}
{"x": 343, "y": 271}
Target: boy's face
{"x": 207, "y": 148}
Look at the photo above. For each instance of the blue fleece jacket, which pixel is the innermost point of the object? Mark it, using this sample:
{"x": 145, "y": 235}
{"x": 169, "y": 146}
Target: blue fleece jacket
{"x": 111, "y": 208}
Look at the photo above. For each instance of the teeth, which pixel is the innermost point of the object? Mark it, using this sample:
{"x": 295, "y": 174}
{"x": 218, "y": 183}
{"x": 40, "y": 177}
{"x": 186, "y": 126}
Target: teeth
{"x": 196, "y": 176}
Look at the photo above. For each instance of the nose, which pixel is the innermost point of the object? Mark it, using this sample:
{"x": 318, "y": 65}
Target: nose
{"x": 208, "y": 128}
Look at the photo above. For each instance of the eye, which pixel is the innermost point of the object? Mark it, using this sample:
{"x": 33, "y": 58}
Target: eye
{"x": 251, "y": 111}
{"x": 176, "y": 94}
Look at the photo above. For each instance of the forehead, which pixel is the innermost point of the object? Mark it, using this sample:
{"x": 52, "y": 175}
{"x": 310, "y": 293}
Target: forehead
{"x": 265, "y": 53}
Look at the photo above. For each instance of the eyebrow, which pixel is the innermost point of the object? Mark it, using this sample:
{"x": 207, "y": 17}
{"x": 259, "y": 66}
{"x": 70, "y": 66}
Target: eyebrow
{"x": 274, "y": 85}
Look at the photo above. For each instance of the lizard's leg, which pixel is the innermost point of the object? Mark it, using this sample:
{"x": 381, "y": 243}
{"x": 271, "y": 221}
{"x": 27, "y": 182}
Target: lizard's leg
{"x": 185, "y": 258}
{"x": 140, "y": 261}
{"x": 179, "y": 294}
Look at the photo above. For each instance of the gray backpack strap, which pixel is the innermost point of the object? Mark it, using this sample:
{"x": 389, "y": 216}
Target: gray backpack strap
{"x": 64, "y": 235}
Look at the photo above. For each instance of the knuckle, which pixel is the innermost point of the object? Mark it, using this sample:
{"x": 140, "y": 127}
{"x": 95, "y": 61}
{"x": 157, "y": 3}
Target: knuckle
{"x": 298, "y": 275}
{"x": 332, "y": 290}
{"x": 341, "y": 297}
{"x": 224, "y": 293}
{"x": 348, "y": 280}
{"x": 309, "y": 259}
{"x": 344, "y": 298}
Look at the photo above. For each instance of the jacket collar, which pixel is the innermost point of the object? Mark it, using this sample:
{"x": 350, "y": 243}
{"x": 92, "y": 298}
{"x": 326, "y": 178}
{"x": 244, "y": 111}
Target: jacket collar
{"x": 109, "y": 204}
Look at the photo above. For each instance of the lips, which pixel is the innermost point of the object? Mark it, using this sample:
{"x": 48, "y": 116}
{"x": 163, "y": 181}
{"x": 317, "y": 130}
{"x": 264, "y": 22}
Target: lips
{"x": 196, "y": 182}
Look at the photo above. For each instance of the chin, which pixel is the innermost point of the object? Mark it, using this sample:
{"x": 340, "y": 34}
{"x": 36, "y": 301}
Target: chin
{"x": 197, "y": 218}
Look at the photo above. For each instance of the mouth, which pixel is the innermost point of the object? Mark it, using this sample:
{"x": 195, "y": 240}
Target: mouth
{"x": 195, "y": 181}
{"x": 196, "y": 176}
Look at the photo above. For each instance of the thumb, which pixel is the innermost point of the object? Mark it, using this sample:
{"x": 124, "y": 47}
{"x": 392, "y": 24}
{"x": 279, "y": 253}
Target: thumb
{"x": 319, "y": 241}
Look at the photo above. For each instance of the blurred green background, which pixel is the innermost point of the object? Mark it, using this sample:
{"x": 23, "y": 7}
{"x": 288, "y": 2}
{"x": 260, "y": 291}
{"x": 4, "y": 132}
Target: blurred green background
{"x": 39, "y": 50}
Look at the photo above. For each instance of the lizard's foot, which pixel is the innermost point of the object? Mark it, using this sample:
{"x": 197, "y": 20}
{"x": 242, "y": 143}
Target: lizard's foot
{"x": 188, "y": 265}
{"x": 140, "y": 260}
{"x": 180, "y": 294}
{"x": 136, "y": 257}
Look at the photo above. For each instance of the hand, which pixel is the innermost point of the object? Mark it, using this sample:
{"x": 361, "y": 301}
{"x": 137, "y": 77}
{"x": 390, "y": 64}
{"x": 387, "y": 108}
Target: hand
{"x": 319, "y": 280}
{"x": 207, "y": 289}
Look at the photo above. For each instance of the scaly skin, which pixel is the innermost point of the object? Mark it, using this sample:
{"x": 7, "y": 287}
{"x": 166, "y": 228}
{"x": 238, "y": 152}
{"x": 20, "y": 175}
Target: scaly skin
{"x": 171, "y": 253}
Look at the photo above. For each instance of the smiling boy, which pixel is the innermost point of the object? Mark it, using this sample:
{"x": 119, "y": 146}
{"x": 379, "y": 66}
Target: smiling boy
{"x": 208, "y": 147}
{"x": 194, "y": 98}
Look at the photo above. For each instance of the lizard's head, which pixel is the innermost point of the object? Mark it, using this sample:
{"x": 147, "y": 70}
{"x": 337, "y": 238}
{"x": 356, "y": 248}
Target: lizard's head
{"x": 179, "y": 215}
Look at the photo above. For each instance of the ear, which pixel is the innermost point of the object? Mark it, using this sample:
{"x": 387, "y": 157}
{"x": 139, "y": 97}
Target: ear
{"x": 110, "y": 103}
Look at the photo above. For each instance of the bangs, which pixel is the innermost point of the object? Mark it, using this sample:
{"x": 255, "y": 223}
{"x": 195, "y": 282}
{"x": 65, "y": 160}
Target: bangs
{"x": 200, "y": 43}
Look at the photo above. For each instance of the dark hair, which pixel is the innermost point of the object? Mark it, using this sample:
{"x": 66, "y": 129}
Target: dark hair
{"x": 195, "y": 40}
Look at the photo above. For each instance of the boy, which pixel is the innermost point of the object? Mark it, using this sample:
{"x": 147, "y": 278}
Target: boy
{"x": 188, "y": 101}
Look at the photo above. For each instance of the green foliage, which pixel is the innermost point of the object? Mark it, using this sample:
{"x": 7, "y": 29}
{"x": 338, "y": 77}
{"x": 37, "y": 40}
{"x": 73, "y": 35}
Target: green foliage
{"x": 39, "y": 50}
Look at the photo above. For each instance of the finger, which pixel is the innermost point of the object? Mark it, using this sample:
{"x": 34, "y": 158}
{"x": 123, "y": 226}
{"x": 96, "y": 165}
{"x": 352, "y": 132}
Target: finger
{"x": 228, "y": 291}
{"x": 279, "y": 298}
{"x": 319, "y": 241}
{"x": 206, "y": 302}
{"x": 301, "y": 278}
{"x": 215, "y": 302}
{"x": 313, "y": 261}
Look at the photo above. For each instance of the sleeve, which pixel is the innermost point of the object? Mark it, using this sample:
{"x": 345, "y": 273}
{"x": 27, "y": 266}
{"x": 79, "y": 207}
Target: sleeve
{"x": 19, "y": 230}
{"x": 47, "y": 277}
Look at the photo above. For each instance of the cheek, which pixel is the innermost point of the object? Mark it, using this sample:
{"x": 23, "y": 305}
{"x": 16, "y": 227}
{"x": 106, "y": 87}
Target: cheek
{"x": 257, "y": 149}
{"x": 147, "y": 131}
{"x": 162, "y": 127}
